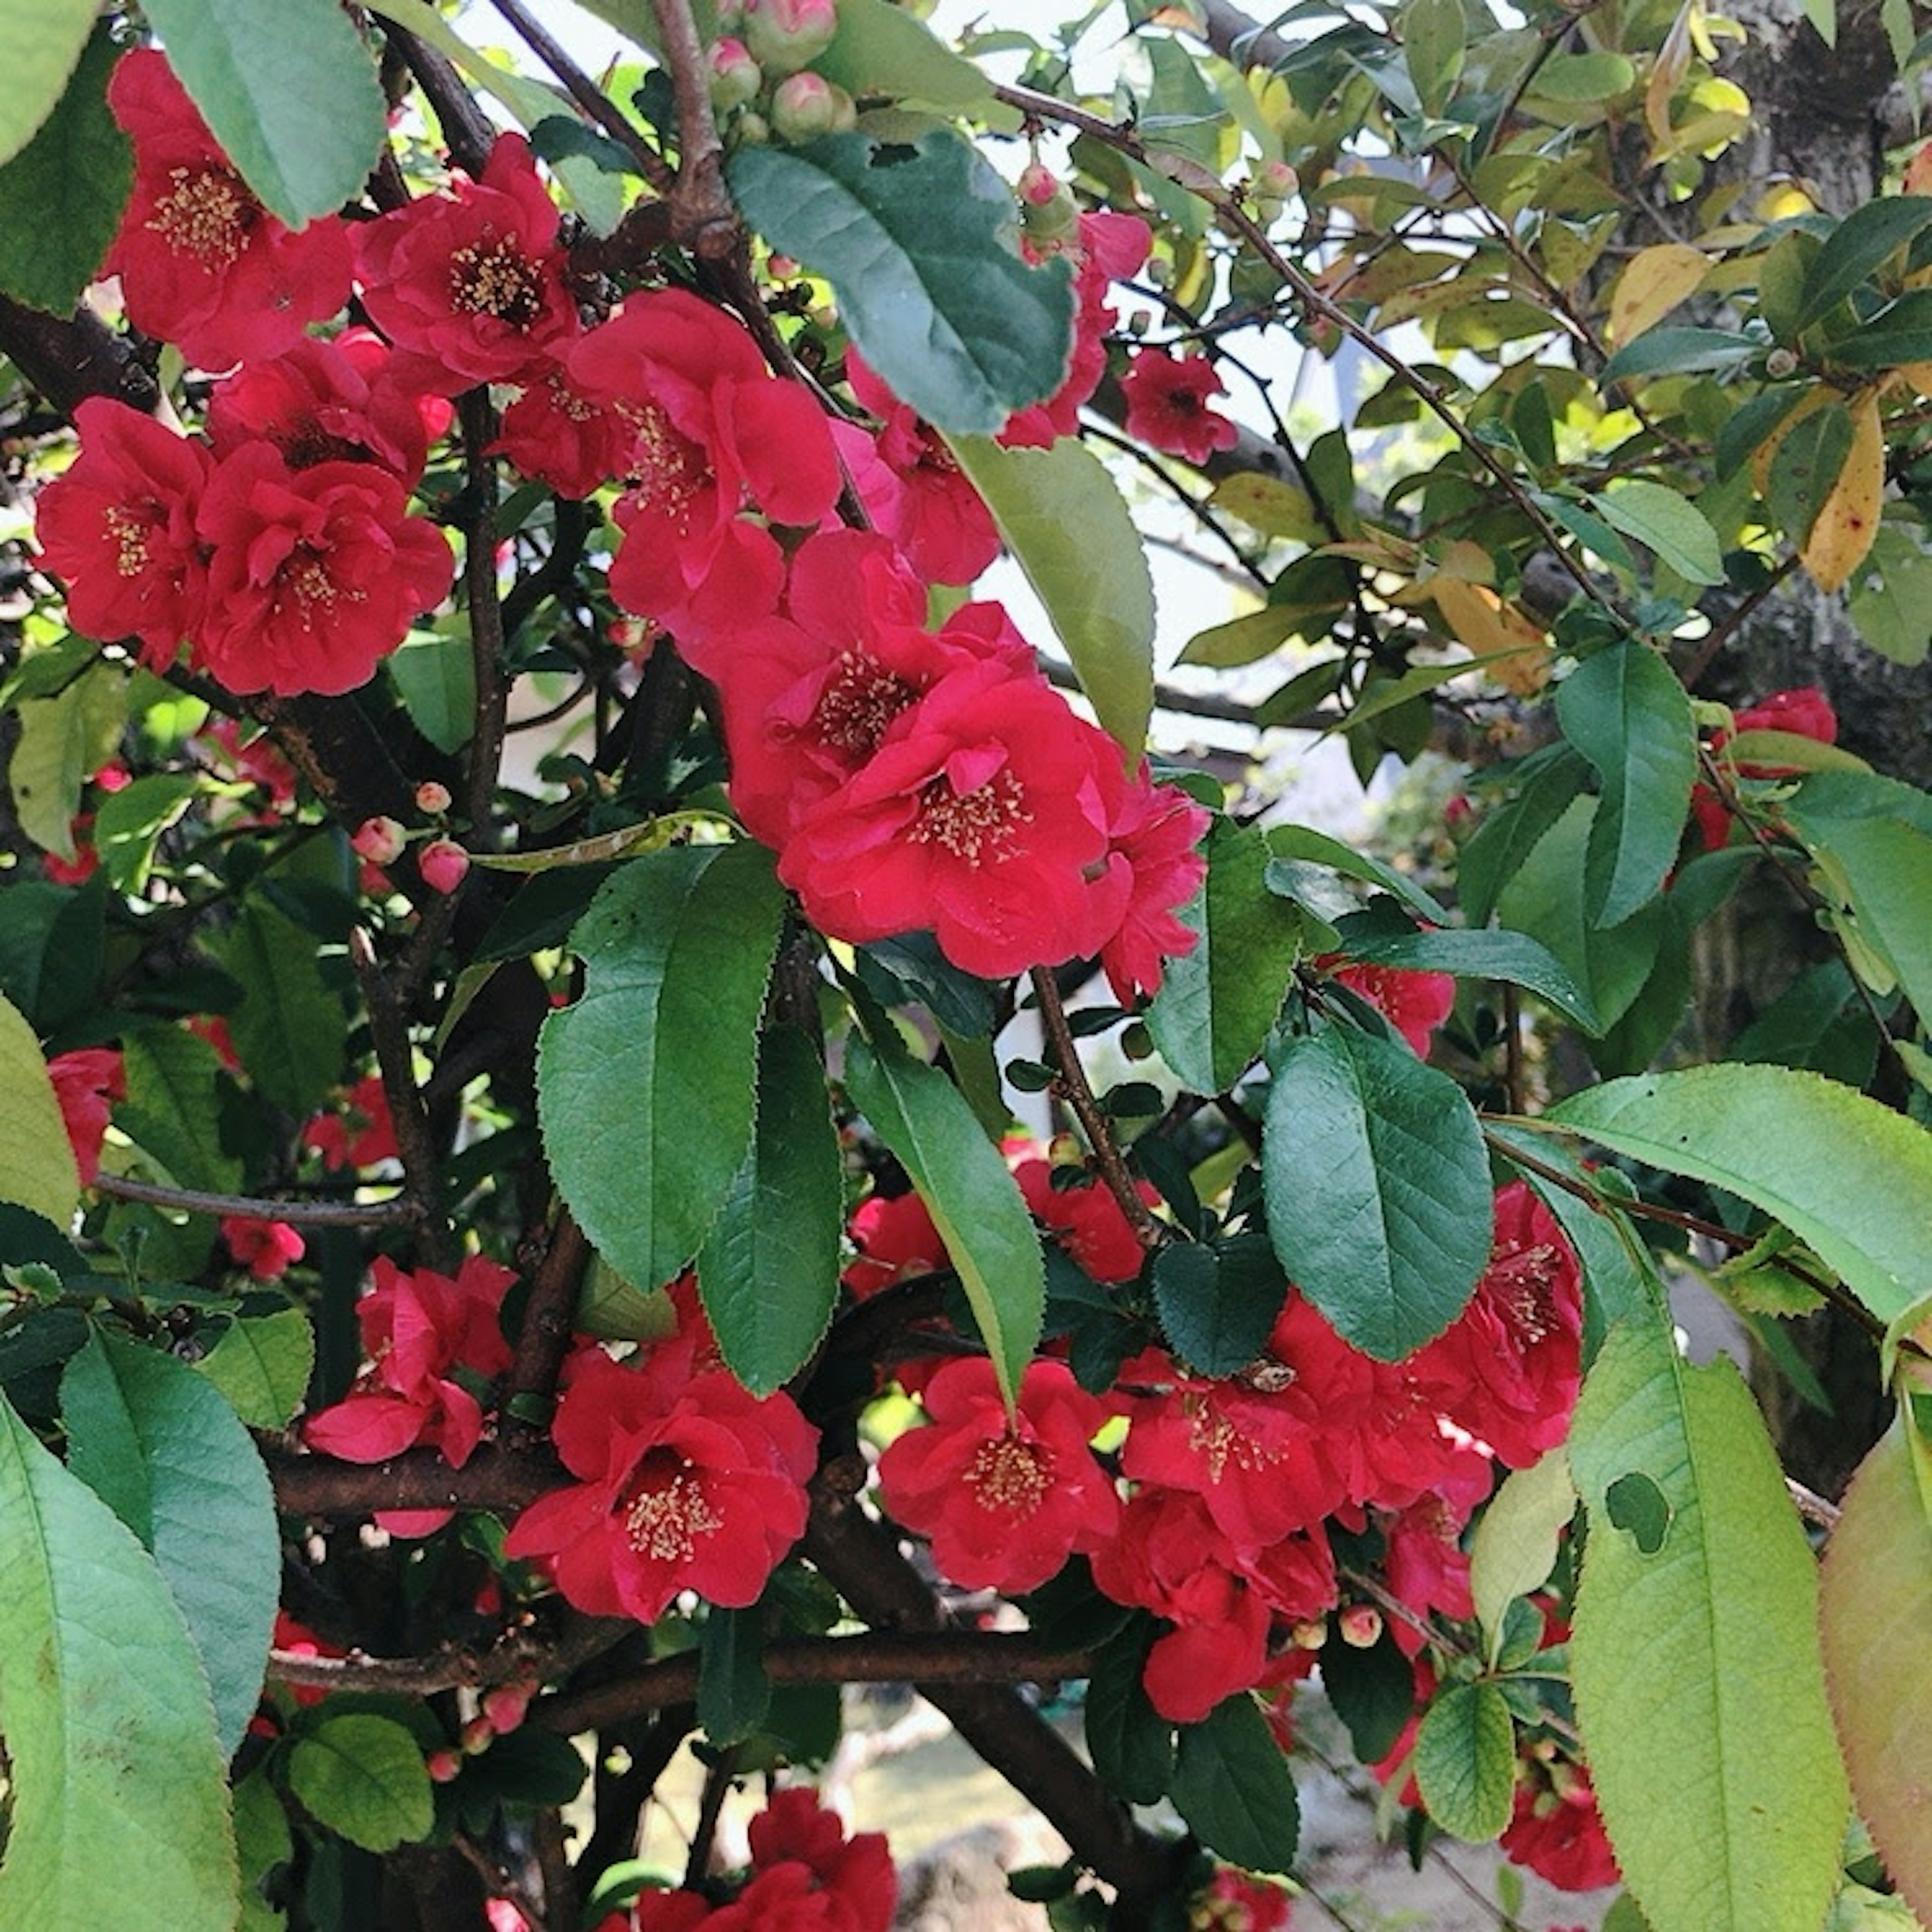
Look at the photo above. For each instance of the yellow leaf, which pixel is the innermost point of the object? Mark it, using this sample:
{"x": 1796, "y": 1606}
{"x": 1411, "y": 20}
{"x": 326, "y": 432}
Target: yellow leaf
{"x": 1671, "y": 64}
{"x": 1657, "y": 279}
{"x": 1848, "y": 518}
{"x": 1270, "y": 505}
{"x": 37, "y": 1168}
{"x": 1918, "y": 374}
{"x": 1492, "y": 628}
{"x": 1766, "y": 452}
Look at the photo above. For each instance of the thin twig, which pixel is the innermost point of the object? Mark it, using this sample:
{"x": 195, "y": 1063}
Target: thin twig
{"x": 501, "y": 1882}
{"x": 547, "y": 1325}
{"x": 703, "y": 217}
{"x": 717, "y": 1778}
{"x": 399, "y": 1211}
{"x": 1722, "y": 633}
{"x": 486, "y": 612}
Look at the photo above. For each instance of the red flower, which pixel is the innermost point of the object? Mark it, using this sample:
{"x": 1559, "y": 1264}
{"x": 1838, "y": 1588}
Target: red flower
{"x": 1167, "y": 405}
{"x": 87, "y": 1082}
{"x": 713, "y": 433}
{"x": 982, "y": 817}
{"x": 687, "y": 1485}
{"x": 119, "y": 527}
{"x": 1086, "y": 1219}
{"x": 264, "y": 1248}
{"x": 1803, "y": 711}
{"x": 1415, "y": 1003}
{"x": 470, "y": 286}
{"x": 316, "y": 575}
{"x": 555, "y": 432}
{"x": 1233, "y": 1902}
{"x": 1557, "y": 1834}
{"x": 363, "y": 1136}
{"x": 258, "y": 762}
{"x": 1156, "y": 833}
{"x": 328, "y": 402}
{"x": 1004, "y": 1504}
{"x": 417, "y": 1330}
{"x": 202, "y": 263}
{"x": 1425, "y": 1564}
{"x": 1508, "y": 1368}
{"x": 854, "y": 1877}
{"x": 896, "y": 1239}
{"x": 298, "y": 1640}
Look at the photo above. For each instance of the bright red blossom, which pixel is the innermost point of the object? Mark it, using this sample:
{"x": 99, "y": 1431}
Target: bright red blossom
{"x": 1558, "y": 1833}
{"x": 361, "y": 1136}
{"x": 896, "y": 1239}
{"x": 1086, "y": 1219}
{"x": 1803, "y": 711}
{"x": 554, "y": 431}
{"x": 87, "y": 1082}
{"x": 203, "y": 264}
{"x": 316, "y": 573}
{"x": 1415, "y": 1003}
{"x": 1167, "y": 405}
{"x": 1156, "y": 833}
{"x": 119, "y": 526}
{"x": 265, "y": 1248}
{"x": 1233, "y": 1902}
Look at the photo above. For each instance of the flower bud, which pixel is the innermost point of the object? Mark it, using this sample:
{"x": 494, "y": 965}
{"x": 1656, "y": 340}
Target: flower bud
{"x": 806, "y": 105}
{"x": 476, "y": 1737}
{"x": 1780, "y": 363}
{"x": 1048, "y": 210}
{"x": 432, "y": 798}
{"x": 379, "y": 840}
{"x": 504, "y": 1706}
{"x": 754, "y": 131}
{"x": 1310, "y": 1634}
{"x": 1361, "y": 1626}
{"x": 443, "y": 864}
{"x": 443, "y": 1766}
{"x": 735, "y": 76}
{"x": 1274, "y": 180}
{"x": 784, "y": 35}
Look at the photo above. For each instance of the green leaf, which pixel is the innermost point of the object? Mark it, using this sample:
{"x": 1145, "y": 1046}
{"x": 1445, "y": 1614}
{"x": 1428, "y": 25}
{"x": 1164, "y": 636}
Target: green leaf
{"x": 62, "y": 740}
{"x": 645, "y": 1087}
{"x": 1317, "y": 848}
{"x": 1232, "y": 1787}
{"x": 60, "y": 197}
{"x": 289, "y": 92}
{"x": 43, "y": 40}
{"x": 1131, "y": 1744}
{"x": 1860, "y": 244}
{"x": 173, "y": 1110}
{"x": 1599, "y": 75}
{"x": 36, "y": 1167}
{"x": 1242, "y": 640}
{"x": 363, "y": 1776}
{"x": 1890, "y": 596}
{"x": 1465, "y": 1761}
{"x": 130, "y": 823}
{"x": 1810, "y": 459}
{"x": 733, "y": 1692}
{"x": 1377, "y": 1189}
{"x": 1698, "y": 1681}
{"x": 1384, "y": 695}
{"x": 1847, "y": 1176}
{"x": 1676, "y": 352}
{"x": 290, "y": 1029}
{"x": 1434, "y": 34}
{"x": 1875, "y": 1602}
{"x": 1509, "y": 832}
{"x": 51, "y": 940}
{"x": 916, "y": 240}
{"x": 1064, "y": 519}
{"x": 1274, "y": 507}
{"x": 881, "y": 48}
{"x": 1373, "y": 1692}
{"x": 1666, "y": 522}
{"x": 436, "y": 678}
{"x": 1217, "y": 1002}
{"x": 1514, "y": 1548}
{"x": 262, "y": 1364}
{"x": 113, "y": 1769}
{"x": 1512, "y": 956}
{"x": 1625, "y": 711}
{"x": 1216, "y": 1305}
{"x": 769, "y": 1270}
{"x": 1899, "y": 332}
{"x": 157, "y": 1444}
{"x": 974, "y": 1201}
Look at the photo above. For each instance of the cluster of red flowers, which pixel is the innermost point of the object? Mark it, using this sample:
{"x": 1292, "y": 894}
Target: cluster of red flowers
{"x": 1231, "y": 1480}
{"x": 1802, "y": 712}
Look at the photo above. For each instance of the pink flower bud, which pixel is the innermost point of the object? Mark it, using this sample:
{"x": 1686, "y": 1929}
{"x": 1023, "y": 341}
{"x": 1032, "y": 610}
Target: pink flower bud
{"x": 379, "y": 840}
{"x": 784, "y": 35}
{"x": 443, "y": 864}
{"x": 734, "y": 76}
{"x": 504, "y": 1707}
{"x": 1038, "y": 185}
{"x": 806, "y": 105}
{"x": 783, "y": 268}
{"x": 1459, "y": 814}
{"x": 1048, "y": 210}
{"x": 1361, "y": 1625}
{"x": 1275, "y": 180}
{"x": 432, "y": 798}
{"x": 443, "y": 1766}
{"x": 478, "y": 1736}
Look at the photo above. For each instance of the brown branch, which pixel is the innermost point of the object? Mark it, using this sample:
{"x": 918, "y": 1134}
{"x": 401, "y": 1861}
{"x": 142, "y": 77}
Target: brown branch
{"x": 70, "y": 359}
{"x": 467, "y": 131}
{"x": 486, "y": 613}
{"x": 400, "y": 1210}
{"x": 1099, "y": 1130}
{"x": 703, "y": 217}
{"x": 717, "y": 1777}
{"x": 501, "y": 1882}
{"x": 1722, "y": 633}
{"x": 324, "y": 1489}
{"x": 548, "y": 1320}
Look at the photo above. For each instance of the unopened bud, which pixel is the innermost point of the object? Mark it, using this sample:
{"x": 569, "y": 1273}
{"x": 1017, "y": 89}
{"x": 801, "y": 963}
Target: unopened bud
{"x": 1459, "y": 814}
{"x": 379, "y": 840}
{"x": 504, "y": 1706}
{"x": 432, "y": 798}
{"x": 753, "y": 129}
{"x": 1274, "y": 180}
{"x": 443, "y": 1766}
{"x": 477, "y": 1736}
{"x": 784, "y": 35}
{"x": 1780, "y": 363}
{"x": 1048, "y": 210}
{"x": 1310, "y": 1634}
{"x": 443, "y": 864}
{"x": 735, "y": 77}
{"x": 807, "y": 105}
{"x": 1361, "y": 1625}
{"x": 783, "y": 268}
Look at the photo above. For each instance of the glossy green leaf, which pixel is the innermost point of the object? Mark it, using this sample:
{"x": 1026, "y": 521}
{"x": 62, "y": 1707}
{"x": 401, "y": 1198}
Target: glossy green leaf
{"x": 1434, "y": 34}
{"x": 916, "y": 240}
{"x": 734, "y": 1692}
{"x": 1890, "y": 596}
{"x": 927, "y": 1123}
{"x": 1675, "y": 352}
{"x": 1698, "y": 1685}
{"x": 363, "y": 1775}
{"x": 1509, "y": 832}
{"x": 113, "y": 1769}
{"x": 1131, "y": 1744}
{"x": 1232, "y": 1787}
{"x": 769, "y": 1270}
{"x": 43, "y": 40}
{"x": 1810, "y": 458}
{"x": 1217, "y": 1002}
{"x": 1465, "y": 1761}
{"x": 130, "y": 822}
{"x": 1875, "y": 1606}
{"x": 1598, "y": 76}
{"x": 645, "y": 1087}
{"x": 1373, "y": 1692}
{"x": 436, "y": 678}
{"x": 62, "y": 740}
{"x": 36, "y": 1166}
{"x": 1064, "y": 518}
{"x": 1380, "y": 695}
{"x": 883, "y": 50}
{"x": 60, "y": 197}
{"x": 289, "y": 92}
{"x": 1378, "y": 1188}
{"x": 1488, "y": 955}
{"x": 1217, "y": 1304}
{"x": 1318, "y": 848}
{"x": 1514, "y": 1548}
{"x": 1666, "y": 522}
{"x": 1849, "y": 1176}
{"x": 1860, "y": 244}
{"x": 262, "y": 1364}
{"x": 173, "y": 1111}
{"x": 156, "y": 1443}
{"x": 1625, "y": 711}
{"x": 290, "y": 1030}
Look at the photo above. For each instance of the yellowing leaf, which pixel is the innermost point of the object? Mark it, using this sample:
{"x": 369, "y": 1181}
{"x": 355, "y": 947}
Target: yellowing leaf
{"x": 1848, "y": 519}
{"x": 1766, "y": 454}
{"x": 1657, "y": 279}
{"x": 36, "y": 1168}
{"x": 1270, "y": 505}
{"x": 1671, "y": 64}
{"x": 1492, "y": 629}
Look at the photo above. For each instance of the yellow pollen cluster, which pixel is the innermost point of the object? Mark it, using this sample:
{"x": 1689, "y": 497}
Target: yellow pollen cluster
{"x": 130, "y": 542}
{"x": 206, "y": 213}
{"x": 668, "y": 468}
{"x": 306, "y": 578}
{"x": 1009, "y": 1474}
{"x": 496, "y": 278}
{"x": 860, "y": 699}
{"x": 1210, "y": 1434}
{"x": 1531, "y": 1305}
{"x": 665, "y": 1524}
{"x": 975, "y": 825}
